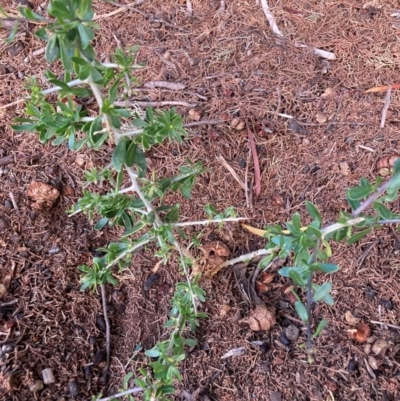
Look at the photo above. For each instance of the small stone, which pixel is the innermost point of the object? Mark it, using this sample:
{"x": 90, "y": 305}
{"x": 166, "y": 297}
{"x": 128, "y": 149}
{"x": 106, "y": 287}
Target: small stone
{"x": 380, "y": 346}
{"x": 73, "y": 388}
{"x": 373, "y": 362}
{"x": 54, "y": 250}
{"x": 305, "y": 141}
{"x": 292, "y": 332}
{"x": 344, "y": 168}
{"x": 8, "y": 204}
{"x": 36, "y": 386}
{"x": 352, "y": 365}
{"x": 4, "y": 224}
{"x": 152, "y": 280}
{"x": 48, "y": 376}
{"x": 167, "y": 55}
{"x": 101, "y": 323}
{"x": 283, "y": 339}
{"x": 194, "y": 115}
{"x": 321, "y": 118}
{"x": 386, "y": 304}
{"x": 276, "y": 396}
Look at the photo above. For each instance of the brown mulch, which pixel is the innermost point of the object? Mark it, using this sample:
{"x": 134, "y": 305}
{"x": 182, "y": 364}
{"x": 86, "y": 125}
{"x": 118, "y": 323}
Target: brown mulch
{"x": 232, "y": 66}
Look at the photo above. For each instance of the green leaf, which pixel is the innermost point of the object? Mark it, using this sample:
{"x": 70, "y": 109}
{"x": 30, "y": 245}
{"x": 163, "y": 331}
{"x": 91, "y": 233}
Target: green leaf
{"x": 153, "y": 353}
{"x": 296, "y": 220}
{"x": 119, "y": 180}
{"x": 67, "y": 52}
{"x": 86, "y": 35}
{"x": 384, "y": 212}
{"x": 328, "y": 299}
{"x": 328, "y": 267}
{"x": 13, "y": 32}
{"x": 263, "y": 263}
{"x": 321, "y": 325}
{"x": 322, "y": 291}
{"x": 313, "y": 231}
{"x": 297, "y": 277}
{"x": 396, "y": 166}
{"x": 394, "y": 184}
{"x": 119, "y": 154}
{"x": 356, "y": 237}
{"x": 357, "y": 193}
{"x": 313, "y": 212}
{"x": 301, "y": 311}
{"x": 210, "y": 210}
{"x": 101, "y": 223}
{"x": 52, "y": 51}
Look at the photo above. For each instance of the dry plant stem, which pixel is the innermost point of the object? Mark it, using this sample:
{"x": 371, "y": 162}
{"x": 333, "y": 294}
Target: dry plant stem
{"x": 107, "y": 321}
{"x": 386, "y": 106}
{"x": 310, "y": 299}
{"x": 271, "y": 19}
{"x": 13, "y": 201}
{"x": 385, "y": 324}
{"x": 122, "y": 8}
{"x": 231, "y": 171}
{"x": 187, "y": 125}
{"x": 134, "y": 390}
{"x": 366, "y": 204}
{"x": 155, "y": 104}
{"x": 207, "y": 222}
{"x": 189, "y": 7}
{"x": 249, "y": 256}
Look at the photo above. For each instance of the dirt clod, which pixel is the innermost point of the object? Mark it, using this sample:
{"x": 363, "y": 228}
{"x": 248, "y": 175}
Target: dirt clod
{"x": 380, "y": 346}
{"x": 43, "y": 194}
{"x": 261, "y": 318}
{"x": 292, "y": 332}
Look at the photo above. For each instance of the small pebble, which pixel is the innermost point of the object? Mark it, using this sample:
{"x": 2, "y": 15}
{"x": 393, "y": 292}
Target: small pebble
{"x": 54, "y": 250}
{"x": 386, "y": 304}
{"x": 101, "y": 323}
{"x": 4, "y": 224}
{"x": 152, "y": 280}
{"x": 276, "y": 396}
{"x": 48, "y": 376}
{"x": 352, "y": 365}
{"x": 36, "y": 386}
{"x": 8, "y": 204}
{"x": 284, "y": 340}
{"x": 292, "y": 332}
{"x": 73, "y": 388}
{"x": 264, "y": 347}
{"x": 100, "y": 357}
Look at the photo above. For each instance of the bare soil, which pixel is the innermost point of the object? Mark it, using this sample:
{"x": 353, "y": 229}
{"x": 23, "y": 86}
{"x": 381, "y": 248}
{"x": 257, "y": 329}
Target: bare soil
{"x": 232, "y": 66}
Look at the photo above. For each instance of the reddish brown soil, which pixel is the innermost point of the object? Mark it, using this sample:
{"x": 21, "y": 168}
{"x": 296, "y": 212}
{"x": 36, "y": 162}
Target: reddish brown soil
{"x": 232, "y": 65}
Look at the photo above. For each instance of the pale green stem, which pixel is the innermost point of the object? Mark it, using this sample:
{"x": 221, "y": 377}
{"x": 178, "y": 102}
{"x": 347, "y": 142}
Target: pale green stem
{"x": 207, "y": 222}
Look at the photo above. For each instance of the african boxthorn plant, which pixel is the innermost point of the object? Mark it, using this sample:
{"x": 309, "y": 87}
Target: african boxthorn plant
{"x": 139, "y": 207}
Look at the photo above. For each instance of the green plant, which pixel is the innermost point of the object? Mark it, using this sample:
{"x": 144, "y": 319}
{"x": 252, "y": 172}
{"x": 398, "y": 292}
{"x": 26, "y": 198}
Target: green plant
{"x": 309, "y": 247}
{"x": 138, "y": 206}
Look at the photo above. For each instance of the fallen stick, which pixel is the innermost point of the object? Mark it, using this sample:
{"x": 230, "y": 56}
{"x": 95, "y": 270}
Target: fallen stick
{"x": 232, "y": 171}
{"x": 155, "y": 104}
{"x": 204, "y": 122}
{"x": 13, "y": 201}
{"x": 164, "y": 84}
{"x": 122, "y": 8}
{"x": 271, "y": 18}
{"x": 275, "y": 29}
{"x": 386, "y": 105}
{"x": 319, "y": 52}
{"x": 257, "y": 173}
{"x": 108, "y": 335}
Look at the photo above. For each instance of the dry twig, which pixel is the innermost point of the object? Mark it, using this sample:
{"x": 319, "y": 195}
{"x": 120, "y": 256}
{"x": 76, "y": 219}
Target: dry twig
{"x": 108, "y": 336}
{"x": 13, "y": 201}
{"x": 155, "y": 104}
{"x": 232, "y": 171}
{"x": 386, "y": 105}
